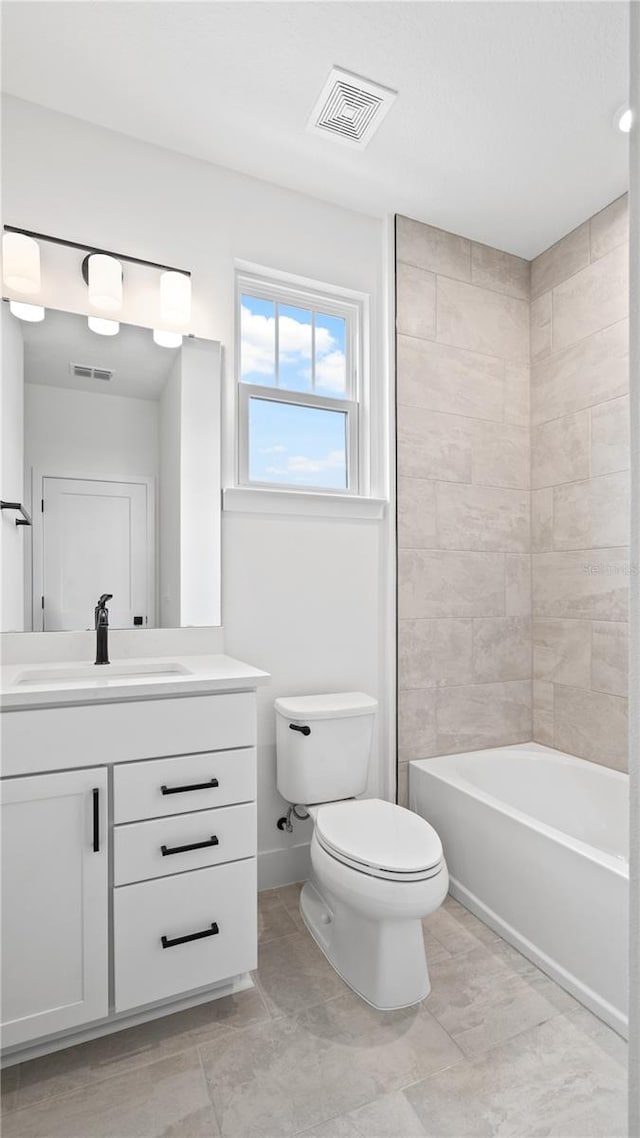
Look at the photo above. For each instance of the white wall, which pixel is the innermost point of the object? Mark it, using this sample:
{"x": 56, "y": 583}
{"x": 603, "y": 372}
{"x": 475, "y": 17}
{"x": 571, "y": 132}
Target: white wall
{"x": 169, "y": 498}
{"x": 14, "y": 537}
{"x": 304, "y": 598}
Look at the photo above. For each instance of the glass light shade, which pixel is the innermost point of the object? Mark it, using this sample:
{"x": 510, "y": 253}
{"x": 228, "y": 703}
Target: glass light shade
{"x": 167, "y": 339}
{"x": 21, "y": 262}
{"x": 32, "y": 313}
{"x": 625, "y": 120}
{"x": 105, "y": 282}
{"x": 175, "y": 298}
{"x": 103, "y": 327}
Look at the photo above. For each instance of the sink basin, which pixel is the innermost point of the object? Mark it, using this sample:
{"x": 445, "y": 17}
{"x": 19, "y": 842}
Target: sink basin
{"x": 102, "y": 673}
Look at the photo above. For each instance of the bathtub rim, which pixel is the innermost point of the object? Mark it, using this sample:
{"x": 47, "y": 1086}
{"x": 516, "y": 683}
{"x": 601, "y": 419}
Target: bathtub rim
{"x": 618, "y": 864}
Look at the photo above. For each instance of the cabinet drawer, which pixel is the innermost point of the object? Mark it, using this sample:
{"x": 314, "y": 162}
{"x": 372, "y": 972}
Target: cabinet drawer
{"x": 88, "y": 735}
{"x": 184, "y": 932}
{"x": 183, "y": 783}
{"x": 184, "y": 841}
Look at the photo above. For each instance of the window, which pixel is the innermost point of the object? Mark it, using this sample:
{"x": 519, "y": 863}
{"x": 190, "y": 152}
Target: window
{"x": 299, "y": 387}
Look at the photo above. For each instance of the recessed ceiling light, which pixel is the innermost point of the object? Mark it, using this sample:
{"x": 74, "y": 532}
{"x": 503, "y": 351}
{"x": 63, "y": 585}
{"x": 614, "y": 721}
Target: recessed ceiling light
{"x": 623, "y": 119}
{"x": 350, "y": 108}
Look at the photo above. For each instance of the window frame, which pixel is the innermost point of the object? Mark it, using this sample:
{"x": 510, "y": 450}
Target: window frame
{"x": 282, "y": 289}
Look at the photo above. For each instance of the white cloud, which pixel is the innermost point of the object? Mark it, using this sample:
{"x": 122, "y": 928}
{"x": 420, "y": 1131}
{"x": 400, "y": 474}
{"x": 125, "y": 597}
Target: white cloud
{"x": 258, "y": 349}
{"x": 273, "y": 450}
{"x": 301, "y": 464}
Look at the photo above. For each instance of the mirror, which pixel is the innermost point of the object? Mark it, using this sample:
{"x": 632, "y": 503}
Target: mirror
{"x": 112, "y": 446}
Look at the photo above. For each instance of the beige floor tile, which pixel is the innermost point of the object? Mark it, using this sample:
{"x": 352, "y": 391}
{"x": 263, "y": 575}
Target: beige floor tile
{"x": 457, "y": 930}
{"x": 298, "y": 1071}
{"x": 167, "y": 1099}
{"x": 388, "y": 1117}
{"x": 294, "y": 974}
{"x": 274, "y": 920}
{"x": 10, "y": 1078}
{"x": 491, "y": 994}
{"x": 89, "y": 1063}
{"x": 551, "y": 1080}
{"x": 290, "y": 896}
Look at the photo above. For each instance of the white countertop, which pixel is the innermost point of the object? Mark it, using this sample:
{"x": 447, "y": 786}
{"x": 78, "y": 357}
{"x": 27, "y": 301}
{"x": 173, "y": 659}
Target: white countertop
{"x": 51, "y": 685}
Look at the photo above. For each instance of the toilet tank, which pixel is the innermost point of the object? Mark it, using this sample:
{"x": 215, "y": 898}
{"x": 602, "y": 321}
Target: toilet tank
{"x": 323, "y": 746}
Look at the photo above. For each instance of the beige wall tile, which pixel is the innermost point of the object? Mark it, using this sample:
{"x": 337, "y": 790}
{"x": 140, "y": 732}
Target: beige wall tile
{"x": 542, "y": 695}
{"x": 433, "y": 249}
{"x": 588, "y": 584}
{"x": 416, "y": 514}
{"x": 502, "y": 272}
{"x": 432, "y": 445}
{"x": 517, "y": 382}
{"x": 610, "y": 227}
{"x": 594, "y": 298}
{"x": 501, "y": 455}
{"x": 440, "y": 583}
{"x": 581, "y": 375}
{"x": 562, "y": 260}
{"x": 403, "y": 784}
{"x": 517, "y": 573}
{"x": 592, "y": 725}
{"x": 416, "y": 724}
{"x": 482, "y": 321}
{"x": 542, "y": 519}
{"x": 560, "y": 450}
{"x": 610, "y": 446}
{"x": 540, "y": 323}
{"x": 482, "y": 517}
{"x": 442, "y": 378}
{"x": 592, "y": 514}
{"x": 562, "y": 651}
{"x": 609, "y": 657}
{"x": 434, "y": 652}
{"x": 501, "y": 649}
{"x": 543, "y": 713}
{"x": 483, "y": 715}
{"x": 416, "y": 301}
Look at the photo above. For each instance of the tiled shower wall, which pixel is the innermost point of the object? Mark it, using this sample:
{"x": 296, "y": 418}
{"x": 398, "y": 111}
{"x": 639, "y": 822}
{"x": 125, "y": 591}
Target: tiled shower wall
{"x": 465, "y": 636}
{"x": 464, "y": 607}
{"x": 580, "y": 480}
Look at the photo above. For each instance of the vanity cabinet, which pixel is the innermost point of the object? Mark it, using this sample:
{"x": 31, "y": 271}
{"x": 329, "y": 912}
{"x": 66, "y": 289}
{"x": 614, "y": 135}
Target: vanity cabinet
{"x": 55, "y": 903}
{"x": 129, "y": 886}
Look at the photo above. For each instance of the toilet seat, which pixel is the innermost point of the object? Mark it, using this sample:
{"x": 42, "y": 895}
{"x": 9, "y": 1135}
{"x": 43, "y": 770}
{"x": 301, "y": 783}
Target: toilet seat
{"x": 379, "y": 839}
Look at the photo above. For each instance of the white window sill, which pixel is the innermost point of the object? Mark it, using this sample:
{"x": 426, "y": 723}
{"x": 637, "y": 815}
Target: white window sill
{"x": 301, "y": 503}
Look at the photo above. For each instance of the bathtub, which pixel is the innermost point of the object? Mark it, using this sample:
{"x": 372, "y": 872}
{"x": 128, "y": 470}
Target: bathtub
{"x": 536, "y": 843}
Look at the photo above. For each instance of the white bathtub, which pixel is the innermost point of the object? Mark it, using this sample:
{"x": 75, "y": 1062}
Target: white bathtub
{"x": 536, "y": 844}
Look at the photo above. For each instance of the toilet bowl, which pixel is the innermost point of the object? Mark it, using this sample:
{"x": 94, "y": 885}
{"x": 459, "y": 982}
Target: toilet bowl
{"x": 377, "y": 869}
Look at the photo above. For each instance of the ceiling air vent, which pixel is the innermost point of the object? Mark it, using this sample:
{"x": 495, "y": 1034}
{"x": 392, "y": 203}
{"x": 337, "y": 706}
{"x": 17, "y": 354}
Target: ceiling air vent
{"x": 84, "y": 371}
{"x": 350, "y": 108}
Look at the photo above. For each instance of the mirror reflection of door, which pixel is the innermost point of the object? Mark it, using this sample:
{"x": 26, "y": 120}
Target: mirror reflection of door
{"x": 94, "y": 539}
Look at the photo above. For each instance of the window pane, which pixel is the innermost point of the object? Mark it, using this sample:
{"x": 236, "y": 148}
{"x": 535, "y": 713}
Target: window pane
{"x": 258, "y": 341}
{"x": 297, "y": 446}
{"x": 331, "y": 359}
{"x": 294, "y": 348}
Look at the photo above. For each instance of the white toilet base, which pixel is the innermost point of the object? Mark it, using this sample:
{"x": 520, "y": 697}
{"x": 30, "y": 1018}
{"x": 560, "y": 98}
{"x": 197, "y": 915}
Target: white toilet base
{"x": 383, "y": 961}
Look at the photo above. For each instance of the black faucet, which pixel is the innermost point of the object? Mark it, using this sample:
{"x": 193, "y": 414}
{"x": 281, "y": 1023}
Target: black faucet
{"x": 102, "y": 629}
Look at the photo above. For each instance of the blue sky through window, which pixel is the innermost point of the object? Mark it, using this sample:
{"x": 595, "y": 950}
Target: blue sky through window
{"x": 297, "y": 446}
{"x": 295, "y": 347}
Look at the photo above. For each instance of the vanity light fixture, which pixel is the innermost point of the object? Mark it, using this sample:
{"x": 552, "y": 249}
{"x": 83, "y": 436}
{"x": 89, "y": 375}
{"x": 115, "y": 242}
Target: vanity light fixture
{"x": 21, "y": 263}
{"x": 102, "y": 326}
{"x": 623, "y": 119}
{"x": 32, "y": 313}
{"x": 104, "y": 278}
{"x": 166, "y": 339}
{"x": 175, "y": 298}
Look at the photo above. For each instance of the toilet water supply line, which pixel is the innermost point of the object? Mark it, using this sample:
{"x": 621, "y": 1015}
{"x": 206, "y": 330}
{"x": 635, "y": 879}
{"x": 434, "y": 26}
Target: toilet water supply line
{"x": 286, "y": 823}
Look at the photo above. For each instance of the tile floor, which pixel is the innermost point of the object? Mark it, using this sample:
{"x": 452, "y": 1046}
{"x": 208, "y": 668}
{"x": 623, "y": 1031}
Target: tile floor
{"x": 496, "y": 1049}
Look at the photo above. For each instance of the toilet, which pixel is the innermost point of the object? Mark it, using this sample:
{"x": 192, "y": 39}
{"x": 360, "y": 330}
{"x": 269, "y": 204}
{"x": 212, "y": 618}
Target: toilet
{"x": 376, "y": 868}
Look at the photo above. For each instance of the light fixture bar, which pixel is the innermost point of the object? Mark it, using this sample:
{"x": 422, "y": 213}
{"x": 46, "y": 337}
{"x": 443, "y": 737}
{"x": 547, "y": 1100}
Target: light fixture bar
{"x": 91, "y": 249}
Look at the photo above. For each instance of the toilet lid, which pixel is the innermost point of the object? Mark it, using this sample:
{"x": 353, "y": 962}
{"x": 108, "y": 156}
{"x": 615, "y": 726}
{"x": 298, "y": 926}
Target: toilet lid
{"x": 379, "y": 836}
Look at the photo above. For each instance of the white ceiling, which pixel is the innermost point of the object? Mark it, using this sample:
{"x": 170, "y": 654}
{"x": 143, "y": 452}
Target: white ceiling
{"x": 502, "y": 129}
{"x": 141, "y": 368}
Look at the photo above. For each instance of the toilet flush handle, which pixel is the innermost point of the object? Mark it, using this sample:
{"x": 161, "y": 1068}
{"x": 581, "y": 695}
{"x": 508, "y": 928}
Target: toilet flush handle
{"x": 303, "y": 730}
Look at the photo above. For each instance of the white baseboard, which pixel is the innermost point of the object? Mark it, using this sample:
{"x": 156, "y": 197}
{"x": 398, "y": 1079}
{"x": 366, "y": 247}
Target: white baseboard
{"x": 283, "y": 867}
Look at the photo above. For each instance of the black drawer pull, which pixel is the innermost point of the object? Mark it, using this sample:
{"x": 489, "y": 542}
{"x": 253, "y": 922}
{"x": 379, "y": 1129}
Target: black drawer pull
{"x": 212, "y": 841}
{"x": 96, "y": 820}
{"x": 303, "y": 730}
{"x": 166, "y": 943}
{"x": 211, "y": 784}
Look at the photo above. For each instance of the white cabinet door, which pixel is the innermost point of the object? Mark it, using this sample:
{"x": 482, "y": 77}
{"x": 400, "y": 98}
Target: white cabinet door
{"x": 54, "y": 903}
